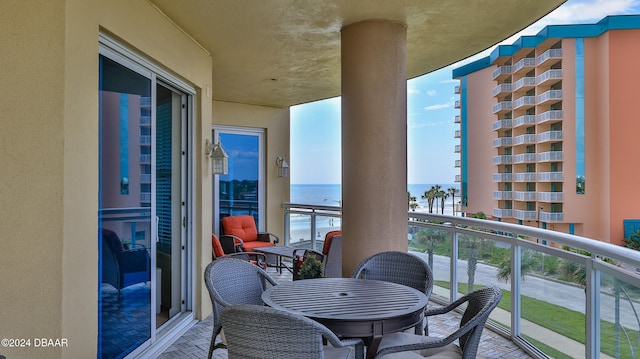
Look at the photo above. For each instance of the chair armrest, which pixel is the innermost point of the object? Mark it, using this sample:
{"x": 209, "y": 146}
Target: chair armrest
{"x": 134, "y": 260}
{"x": 231, "y": 244}
{"x": 266, "y": 237}
{"x": 260, "y": 259}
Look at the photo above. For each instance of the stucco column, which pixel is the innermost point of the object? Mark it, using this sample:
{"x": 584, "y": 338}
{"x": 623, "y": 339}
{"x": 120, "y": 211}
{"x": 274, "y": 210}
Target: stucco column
{"x": 374, "y": 140}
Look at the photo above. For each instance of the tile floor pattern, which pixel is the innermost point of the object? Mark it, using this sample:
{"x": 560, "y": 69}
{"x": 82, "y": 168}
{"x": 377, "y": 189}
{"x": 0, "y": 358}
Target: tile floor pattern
{"x": 195, "y": 343}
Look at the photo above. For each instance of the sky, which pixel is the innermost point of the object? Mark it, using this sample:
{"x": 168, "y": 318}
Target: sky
{"x": 315, "y": 127}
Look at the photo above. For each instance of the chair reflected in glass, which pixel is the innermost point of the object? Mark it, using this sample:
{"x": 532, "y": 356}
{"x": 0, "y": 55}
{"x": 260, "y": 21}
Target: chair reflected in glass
{"x": 479, "y": 303}
{"x": 401, "y": 268}
{"x": 122, "y": 266}
{"x": 263, "y": 332}
{"x": 232, "y": 281}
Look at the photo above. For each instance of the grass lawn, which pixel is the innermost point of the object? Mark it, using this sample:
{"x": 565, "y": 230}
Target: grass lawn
{"x": 563, "y": 321}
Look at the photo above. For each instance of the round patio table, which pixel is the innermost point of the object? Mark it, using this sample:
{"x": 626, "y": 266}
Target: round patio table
{"x": 351, "y": 307}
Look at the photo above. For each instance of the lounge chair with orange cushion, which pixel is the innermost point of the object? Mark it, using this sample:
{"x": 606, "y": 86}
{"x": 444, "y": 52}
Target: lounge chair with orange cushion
{"x": 243, "y": 230}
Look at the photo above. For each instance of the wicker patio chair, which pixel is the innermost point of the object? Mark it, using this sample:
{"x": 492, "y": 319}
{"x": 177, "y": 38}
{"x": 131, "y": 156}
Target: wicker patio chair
{"x": 232, "y": 281}
{"x": 402, "y": 268}
{"x": 480, "y": 303}
{"x": 255, "y": 332}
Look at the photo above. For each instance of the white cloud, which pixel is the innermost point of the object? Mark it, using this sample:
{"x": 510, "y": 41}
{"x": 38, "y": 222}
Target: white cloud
{"x": 427, "y": 124}
{"x": 438, "y": 106}
{"x": 412, "y": 90}
{"x": 431, "y": 93}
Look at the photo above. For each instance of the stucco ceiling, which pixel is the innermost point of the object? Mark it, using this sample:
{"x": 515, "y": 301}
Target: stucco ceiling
{"x": 286, "y": 52}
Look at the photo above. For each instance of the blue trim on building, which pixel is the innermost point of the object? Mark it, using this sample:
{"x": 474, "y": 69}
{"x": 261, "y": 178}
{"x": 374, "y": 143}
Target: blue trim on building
{"x": 464, "y": 133}
{"x": 618, "y": 22}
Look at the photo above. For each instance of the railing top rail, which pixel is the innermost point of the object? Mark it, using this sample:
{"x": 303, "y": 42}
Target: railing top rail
{"x": 593, "y": 246}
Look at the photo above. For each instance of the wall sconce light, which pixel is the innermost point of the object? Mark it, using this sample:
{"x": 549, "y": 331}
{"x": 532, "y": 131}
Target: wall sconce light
{"x": 283, "y": 167}
{"x": 219, "y": 158}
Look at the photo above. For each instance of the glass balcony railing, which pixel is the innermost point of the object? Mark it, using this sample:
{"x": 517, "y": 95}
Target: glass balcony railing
{"x": 502, "y": 177}
{"x": 550, "y": 115}
{"x": 502, "y": 141}
{"x": 524, "y": 139}
{"x": 524, "y": 195}
{"x": 524, "y": 82}
{"x": 524, "y": 177}
{"x": 525, "y": 63}
{"x": 563, "y": 295}
{"x": 550, "y": 176}
{"x": 524, "y": 120}
{"x": 504, "y": 123}
{"x": 502, "y": 195}
{"x": 502, "y": 88}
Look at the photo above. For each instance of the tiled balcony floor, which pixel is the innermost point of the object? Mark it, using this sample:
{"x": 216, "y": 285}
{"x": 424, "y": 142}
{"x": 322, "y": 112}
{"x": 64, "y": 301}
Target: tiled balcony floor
{"x": 195, "y": 343}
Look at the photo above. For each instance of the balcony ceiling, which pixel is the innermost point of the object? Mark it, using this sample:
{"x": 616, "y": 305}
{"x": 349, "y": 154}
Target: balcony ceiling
{"x": 287, "y": 52}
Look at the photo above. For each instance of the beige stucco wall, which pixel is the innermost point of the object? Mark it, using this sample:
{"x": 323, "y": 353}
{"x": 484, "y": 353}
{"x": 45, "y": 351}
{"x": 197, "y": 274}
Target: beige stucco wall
{"x": 275, "y": 122}
{"x": 49, "y": 160}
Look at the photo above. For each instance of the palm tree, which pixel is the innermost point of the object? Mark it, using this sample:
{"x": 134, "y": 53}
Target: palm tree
{"x": 452, "y": 192}
{"x": 430, "y": 237}
{"x": 443, "y": 197}
{"x": 430, "y": 196}
{"x": 411, "y": 201}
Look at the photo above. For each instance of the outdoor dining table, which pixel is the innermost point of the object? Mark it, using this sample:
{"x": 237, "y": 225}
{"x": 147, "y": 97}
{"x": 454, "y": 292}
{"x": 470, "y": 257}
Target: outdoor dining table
{"x": 351, "y": 307}
{"x": 279, "y": 252}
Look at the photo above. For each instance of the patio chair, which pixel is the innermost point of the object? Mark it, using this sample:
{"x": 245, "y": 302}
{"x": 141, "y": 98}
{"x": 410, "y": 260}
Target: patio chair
{"x": 243, "y": 230}
{"x": 480, "y": 303}
{"x": 255, "y": 332}
{"x": 331, "y": 256}
{"x": 232, "y": 281}
{"x": 402, "y": 268}
{"x": 122, "y": 266}
{"x": 258, "y": 259}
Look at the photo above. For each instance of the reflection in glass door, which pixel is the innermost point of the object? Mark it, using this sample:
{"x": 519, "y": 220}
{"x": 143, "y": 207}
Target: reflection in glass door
{"x": 241, "y": 191}
{"x": 143, "y": 216}
{"x": 125, "y": 226}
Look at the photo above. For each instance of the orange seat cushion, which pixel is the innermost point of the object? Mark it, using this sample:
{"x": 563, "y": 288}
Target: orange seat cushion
{"x": 327, "y": 241}
{"x": 249, "y": 246}
{"x": 243, "y": 227}
{"x": 217, "y": 247}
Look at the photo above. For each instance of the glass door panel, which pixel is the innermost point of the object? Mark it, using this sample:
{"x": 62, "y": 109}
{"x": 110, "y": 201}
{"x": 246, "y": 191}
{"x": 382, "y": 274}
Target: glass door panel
{"x": 240, "y": 191}
{"x": 125, "y": 213}
{"x": 169, "y": 206}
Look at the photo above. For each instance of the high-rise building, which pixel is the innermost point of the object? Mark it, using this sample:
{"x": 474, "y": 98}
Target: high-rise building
{"x": 549, "y": 130}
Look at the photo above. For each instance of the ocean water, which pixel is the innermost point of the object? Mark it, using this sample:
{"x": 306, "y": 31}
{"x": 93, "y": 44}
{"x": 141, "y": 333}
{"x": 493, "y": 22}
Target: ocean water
{"x": 331, "y": 195}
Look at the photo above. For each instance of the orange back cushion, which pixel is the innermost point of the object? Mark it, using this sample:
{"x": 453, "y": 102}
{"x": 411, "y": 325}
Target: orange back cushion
{"x": 217, "y": 247}
{"x": 327, "y": 241}
{"x": 243, "y": 227}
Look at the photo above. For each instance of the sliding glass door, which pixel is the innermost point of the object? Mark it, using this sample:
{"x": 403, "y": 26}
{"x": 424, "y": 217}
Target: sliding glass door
{"x": 143, "y": 205}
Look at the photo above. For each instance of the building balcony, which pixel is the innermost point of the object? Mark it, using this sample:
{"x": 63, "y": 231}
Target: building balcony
{"x": 525, "y": 215}
{"x": 549, "y": 55}
{"x": 145, "y": 140}
{"x": 456, "y": 90}
{"x": 457, "y": 149}
{"x": 550, "y": 176}
{"x": 502, "y": 212}
{"x": 550, "y": 156}
{"x": 550, "y": 136}
{"x": 524, "y": 65}
{"x": 525, "y": 139}
{"x": 145, "y": 121}
{"x": 457, "y": 104}
{"x": 524, "y": 101}
{"x": 145, "y": 178}
{"x": 524, "y": 158}
{"x": 552, "y": 74}
{"x": 145, "y": 159}
{"x": 551, "y": 217}
{"x": 550, "y": 116}
{"x": 502, "y": 195}
{"x": 457, "y": 164}
{"x": 502, "y": 89}
{"x": 502, "y": 72}
{"x": 502, "y": 177}
{"x": 458, "y": 178}
{"x": 145, "y": 197}
{"x": 524, "y": 177}
{"x": 502, "y": 142}
{"x": 524, "y": 120}
{"x": 456, "y": 119}
{"x": 524, "y": 83}
{"x": 502, "y": 160}
{"x": 551, "y": 196}
{"x": 525, "y": 195}
{"x": 502, "y": 107}
{"x": 457, "y": 134}
{"x": 551, "y": 95}
{"x": 502, "y": 124}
